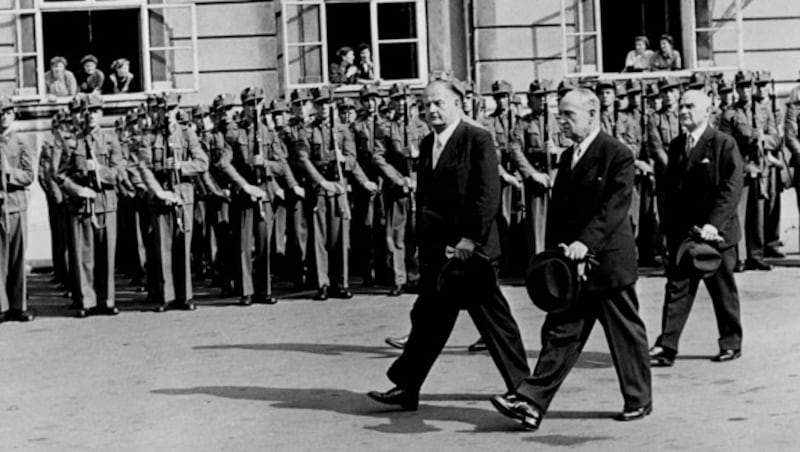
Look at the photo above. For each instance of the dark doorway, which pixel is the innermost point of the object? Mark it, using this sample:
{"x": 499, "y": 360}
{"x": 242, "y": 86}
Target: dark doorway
{"x": 623, "y": 20}
{"x": 106, "y": 34}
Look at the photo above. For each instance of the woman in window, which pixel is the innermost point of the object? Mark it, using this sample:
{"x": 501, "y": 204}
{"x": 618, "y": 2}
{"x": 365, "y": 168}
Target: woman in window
{"x": 638, "y": 59}
{"x": 666, "y": 59}
{"x": 121, "y": 77}
{"x": 59, "y": 80}
{"x": 92, "y": 78}
{"x": 343, "y": 71}
{"x": 366, "y": 70}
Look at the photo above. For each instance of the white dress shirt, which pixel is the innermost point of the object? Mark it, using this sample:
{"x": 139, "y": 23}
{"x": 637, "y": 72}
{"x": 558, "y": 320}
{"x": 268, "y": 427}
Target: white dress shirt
{"x": 440, "y": 140}
{"x": 583, "y": 146}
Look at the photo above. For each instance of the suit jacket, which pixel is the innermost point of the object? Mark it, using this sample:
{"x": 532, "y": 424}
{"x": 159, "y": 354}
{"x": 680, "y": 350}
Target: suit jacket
{"x": 460, "y": 198}
{"x": 590, "y": 203}
{"x": 703, "y": 188}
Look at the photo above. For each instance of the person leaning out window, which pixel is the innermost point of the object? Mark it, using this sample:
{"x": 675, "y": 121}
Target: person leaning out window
{"x": 59, "y": 80}
{"x": 638, "y": 59}
{"x": 667, "y": 58}
{"x": 343, "y": 71}
{"x": 120, "y": 80}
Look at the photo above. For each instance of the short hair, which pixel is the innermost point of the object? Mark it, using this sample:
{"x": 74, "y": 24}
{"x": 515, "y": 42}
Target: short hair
{"x": 450, "y": 85}
{"x": 342, "y": 52}
{"x": 58, "y": 59}
{"x": 363, "y": 46}
{"x": 643, "y": 39}
{"x": 586, "y": 98}
{"x": 667, "y": 38}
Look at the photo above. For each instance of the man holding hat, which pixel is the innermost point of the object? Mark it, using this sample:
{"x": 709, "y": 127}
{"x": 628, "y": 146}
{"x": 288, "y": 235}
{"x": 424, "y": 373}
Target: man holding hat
{"x": 16, "y": 173}
{"x": 588, "y": 217}
{"x": 90, "y": 175}
{"x": 168, "y": 161}
{"x": 703, "y": 186}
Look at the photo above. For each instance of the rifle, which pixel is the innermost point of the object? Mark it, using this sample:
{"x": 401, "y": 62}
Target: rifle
{"x": 409, "y": 158}
{"x": 546, "y": 134}
{"x": 342, "y": 207}
{"x": 759, "y": 145}
{"x": 260, "y": 171}
{"x": 517, "y": 195}
{"x": 89, "y": 206}
{"x": 173, "y": 178}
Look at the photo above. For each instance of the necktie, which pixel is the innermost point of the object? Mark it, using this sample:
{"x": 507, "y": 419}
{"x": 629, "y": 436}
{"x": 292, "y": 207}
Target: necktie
{"x": 576, "y": 154}
{"x": 437, "y": 150}
{"x": 689, "y": 145}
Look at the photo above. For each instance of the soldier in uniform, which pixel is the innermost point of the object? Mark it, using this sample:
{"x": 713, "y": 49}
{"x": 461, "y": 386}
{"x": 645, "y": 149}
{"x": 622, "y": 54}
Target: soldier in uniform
{"x": 792, "y": 134}
{"x": 773, "y": 168}
{"x": 531, "y": 154}
{"x": 16, "y": 173}
{"x": 752, "y": 125}
{"x": 168, "y": 160}
{"x": 90, "y": 174}
{"x": 327, "y": 154}
{"x": 55, "y": 199}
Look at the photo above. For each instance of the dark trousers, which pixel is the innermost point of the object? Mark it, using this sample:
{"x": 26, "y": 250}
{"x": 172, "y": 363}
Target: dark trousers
{"x": 681, "y": 289}
{"x": 95, "y": 249}
{"x": 297, "y": 236}
{"x": 564, "y": 335}
{"x": 648, "y": 233}
{"x": 772, "y": 209}
{"x": 751, "y": 217}
{"x": 252, "y": 225}
{"x": 398, "y": 211}
{"x": 330, "y": 235}
{"x": 13, "y": 289}
{"x": 59, "y": 225}
{"x": 432, "y": 320}
{"x": 171, "y": 263}
{"x": 536, "y": 217}
{"x": 369, "y": 235}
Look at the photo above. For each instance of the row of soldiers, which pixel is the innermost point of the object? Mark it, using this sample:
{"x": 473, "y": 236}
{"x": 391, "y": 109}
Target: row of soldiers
{"x": 244, "y": 189}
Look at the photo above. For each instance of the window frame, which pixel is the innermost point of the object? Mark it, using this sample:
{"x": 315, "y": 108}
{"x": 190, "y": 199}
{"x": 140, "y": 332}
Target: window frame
{"x": 695, "y": 67}
{"x": 421, "y": 41}
{"x": 38, "y": 7}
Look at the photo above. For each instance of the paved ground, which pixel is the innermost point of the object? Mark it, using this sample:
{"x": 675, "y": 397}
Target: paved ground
{"x": 293, "y": 377}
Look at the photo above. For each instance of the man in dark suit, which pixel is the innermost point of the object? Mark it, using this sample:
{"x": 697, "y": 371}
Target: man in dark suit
{"x": 589, "y": 214}
{"x": 703, "y": 187}
{"x": 458, "y": 200}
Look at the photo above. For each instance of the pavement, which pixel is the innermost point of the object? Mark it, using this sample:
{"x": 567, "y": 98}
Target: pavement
{"x": 293, "y": 377}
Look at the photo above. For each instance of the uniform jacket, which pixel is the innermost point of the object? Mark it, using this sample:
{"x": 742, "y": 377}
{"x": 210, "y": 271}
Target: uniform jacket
{"x": 662, "y": 127}
{"x": 183, "y": 146}
{"x": 590, "y": 203}
{"x": 704, "y": 188}
{"x": 460, "y": 198}
{"x": 103, "y": 146}
{"x": 738, "y": 122}
{"x": 242, "y": 141}
{"x": 18, "y": 174}
{"x": 792, "y": 131}
{"x": 316, "y": 158}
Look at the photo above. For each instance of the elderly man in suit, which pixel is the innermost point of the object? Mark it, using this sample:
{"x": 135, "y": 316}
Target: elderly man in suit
{"x": 458, "y": 200}
{"x": 703, "y": 186}
{"x": 588, "y": 213}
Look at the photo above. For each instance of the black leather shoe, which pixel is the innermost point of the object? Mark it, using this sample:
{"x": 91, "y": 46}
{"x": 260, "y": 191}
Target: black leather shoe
{"x": 661, "y": 357}
{"x": 340, "y": 292}
{"x": 81, "y": 313}
{"x": 477, "y": 346}
{"x": 514, "y": 407}
{"x": 264, "y": 299}
{"x": 774, "y": 253}
{"x": 407, "y": 400}
{"x": 739, "y": 267}
{"x": 412, "y": 287}
{"x": 397, "y": 342}
{"x": 16, "y": 315}
{"x": 160, "y": 308}
{"x": 632, "y": 415}
{"x": 182, "y": 306}
{"x": 753, "y": 264}
{"x": 727, "y": 355}
{"x": 104, "y": 310}
{"x": 396, "y": 291}
{"x": 322, "y": 294}
{"x": 245, "y": 300}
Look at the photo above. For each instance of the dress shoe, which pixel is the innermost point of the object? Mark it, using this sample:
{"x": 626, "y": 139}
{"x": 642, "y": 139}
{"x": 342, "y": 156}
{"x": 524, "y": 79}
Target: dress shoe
{"x": 340, "y": 292}
{"x": 407, "y": 400}
{"x": 661, "y": 357}
{"x": 397, "y": 342}
{"x": 16, "y": 315}
{"x": 477, "y": 346}
{"x": 774, "y": 253}
{"x": 637, "y": 413}
{"x": 513, "y": 406}
{"x": 264, "y": 299}
{"x": 245, "y": 300}
{"x": 322, "y": 294}
{"x": 160, "y": 308}
{"x": 727, "y": 355}
{"x": 81, "y": 313}
{"x": 104, "y": 310}
{"x": 755, "y": 264}
{"x": 412, "y": 287}
{"x": 182, "y": 306}
{"x": 396, "y": 291}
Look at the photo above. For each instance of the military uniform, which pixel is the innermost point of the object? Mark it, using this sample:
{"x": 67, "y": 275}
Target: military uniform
{"x": 55, "y": 199}
{"x": 16, "y": 173}
{"x": 172, "y": 223}
{"x": 94, "y": 165}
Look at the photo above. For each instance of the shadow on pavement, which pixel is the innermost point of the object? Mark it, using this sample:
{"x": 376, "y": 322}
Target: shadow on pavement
{"x": 392, "y": 421}
{"x": 587, "y": 360}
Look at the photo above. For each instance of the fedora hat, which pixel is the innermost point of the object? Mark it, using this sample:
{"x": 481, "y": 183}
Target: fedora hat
{"x": 698, "y": 257}
{"x": 552, "y": 281}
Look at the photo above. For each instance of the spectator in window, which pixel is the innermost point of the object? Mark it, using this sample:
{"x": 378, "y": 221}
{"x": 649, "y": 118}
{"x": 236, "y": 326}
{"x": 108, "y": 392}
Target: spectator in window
{"x": 343, "y": 71}
{"x": 666, "y": 59}
{"x": 366, "y": 70}
{"x": 59, "y": 80}
{"x": 121, "y": 78}
{"x": 638, "y": 59}
{"x": 92, "y": 78}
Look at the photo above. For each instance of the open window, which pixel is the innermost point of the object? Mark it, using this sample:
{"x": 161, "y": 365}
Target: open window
{"x": 157, "y": 38}
{"x": 314, "y": 32}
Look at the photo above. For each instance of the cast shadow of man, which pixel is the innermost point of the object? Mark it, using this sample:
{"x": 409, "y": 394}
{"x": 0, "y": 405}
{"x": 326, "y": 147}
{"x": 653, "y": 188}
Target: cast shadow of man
{"x": 350, "y": 403}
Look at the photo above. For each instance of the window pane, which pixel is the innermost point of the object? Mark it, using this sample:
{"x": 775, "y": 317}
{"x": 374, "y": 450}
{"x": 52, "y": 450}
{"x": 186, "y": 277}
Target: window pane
{"x": 399, "y": 61}
{"x": 305, "y": 64}
{"x": 585, "y": 50}
{"x": 586, "y": 17}
{"x": 12, "y": 4}
{"x": 303, "y": 23}
{"x": 18, "y": 75}
{"x": 397, "y": 21}
{"x": 172, "y": 69}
